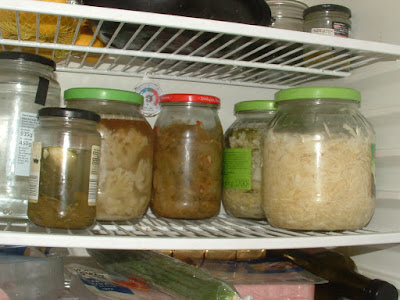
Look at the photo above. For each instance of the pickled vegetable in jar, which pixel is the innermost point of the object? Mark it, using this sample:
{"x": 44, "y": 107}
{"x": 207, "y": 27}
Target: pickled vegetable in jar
{"x": 64, "y": 169}
{"x": 242, "y": 159}
{"x": 319, "y": 162}
{"x": 126, "y": 151}
{"x": 187, "y": 157}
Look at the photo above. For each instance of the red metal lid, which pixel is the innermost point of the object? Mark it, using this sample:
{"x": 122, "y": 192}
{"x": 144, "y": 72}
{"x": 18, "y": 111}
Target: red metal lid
{"x": 190, "y": 98}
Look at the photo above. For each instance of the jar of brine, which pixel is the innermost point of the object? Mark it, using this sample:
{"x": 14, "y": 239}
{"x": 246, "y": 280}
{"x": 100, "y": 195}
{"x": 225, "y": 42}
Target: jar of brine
{"x": 27, "y": 84}
{"x": 187, "y": 157}
{"x": 126, "y": 151}
{"x": 319, "y": 166}
{"x": 242, "y": 159}
{"x": 64, "y": 169}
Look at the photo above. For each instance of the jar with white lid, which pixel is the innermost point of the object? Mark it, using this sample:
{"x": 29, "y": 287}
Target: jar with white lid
{"x": 126, "y": 166}
{"x": 319, "y": 167}
{"x": 242, "y": 163}
{"x": 187, "y": 176}
{"x": 27, "y": 84}
{"x": 64, "y": 169}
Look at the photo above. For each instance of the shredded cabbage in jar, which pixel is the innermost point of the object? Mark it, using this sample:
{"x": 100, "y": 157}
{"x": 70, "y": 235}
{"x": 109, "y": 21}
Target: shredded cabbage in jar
{"x": 318, "y": 181}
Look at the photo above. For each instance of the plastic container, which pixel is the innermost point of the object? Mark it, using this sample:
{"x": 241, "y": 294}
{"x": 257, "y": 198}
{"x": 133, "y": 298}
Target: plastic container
{"x": 242, "y": 159}
{"x": 126, "y": 151}
{"x": 27, "y": 84}
{"x": 287, "y": 14}
{"x": 319, "y": 163}
{"x": 328, "y": 19}
{"x": 187, "y": 157}
{"x": 64, "y": 169}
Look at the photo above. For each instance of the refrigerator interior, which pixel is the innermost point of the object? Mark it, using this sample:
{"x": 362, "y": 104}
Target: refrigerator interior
{"x": 375, "y": 32}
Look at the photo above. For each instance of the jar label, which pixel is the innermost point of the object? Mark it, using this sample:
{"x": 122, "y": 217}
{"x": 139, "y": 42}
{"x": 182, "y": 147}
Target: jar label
{"x": 34, "y": 177}
{"x": 237, "y": 169}
{"x": 323, "y": 31}
{"x": 28, "y": 122}
{"x": 94, "y": 175}
{"x": 341, "y": 29}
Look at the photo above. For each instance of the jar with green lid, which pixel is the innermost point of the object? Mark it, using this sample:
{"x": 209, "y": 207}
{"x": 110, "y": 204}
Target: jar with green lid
{"x": 64, "y": 169}
{"x": 328, "y": 19}
{"x": 319, "y": 162}
{"x": 242, "y": 158}
{"x": 287, "y": 14}
{"x": 126, "y": 151}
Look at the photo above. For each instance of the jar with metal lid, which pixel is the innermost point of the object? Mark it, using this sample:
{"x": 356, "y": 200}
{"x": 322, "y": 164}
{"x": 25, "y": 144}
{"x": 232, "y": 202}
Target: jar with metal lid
{"x": 64, "y": 169}
{"x": 287, "y": 14}
{"x": 187, "y": 157}
{"x": 27, "y": 84}
{"x": 328, "y": 19}
{"x": 319, "y": 166}
{"x": 242, "y": 159}
{"x": 126, "y": 151}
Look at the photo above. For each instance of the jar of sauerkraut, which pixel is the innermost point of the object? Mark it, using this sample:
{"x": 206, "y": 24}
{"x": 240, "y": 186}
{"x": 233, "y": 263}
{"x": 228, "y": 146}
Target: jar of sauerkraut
{"x": 126, "y": 151}
{"x": 319, "y": 162}
{"x": 242, "y": 159}
{"x": 187, "y": 157}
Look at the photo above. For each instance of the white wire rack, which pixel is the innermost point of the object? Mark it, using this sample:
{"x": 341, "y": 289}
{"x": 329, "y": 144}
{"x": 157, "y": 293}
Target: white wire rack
{"x": 182, "y": 48}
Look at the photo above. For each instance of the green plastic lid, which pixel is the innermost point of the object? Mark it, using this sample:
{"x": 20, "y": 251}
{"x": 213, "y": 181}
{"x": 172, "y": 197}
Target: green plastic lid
{"x": 255, "y": 105}
{"x": 103, "y": 94}
{"x": 318, "y": 92}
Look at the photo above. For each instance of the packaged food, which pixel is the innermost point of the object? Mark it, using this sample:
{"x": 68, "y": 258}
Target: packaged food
{"x": 242, "y": 159}
{"x": 187, "y": 157}
{"x": 319, "y": 163}
{"x": 27, "y": 84}
{"x": 64, "y": 169}
{"x": 125, "y": 172}
{"x": 287, "y": 14}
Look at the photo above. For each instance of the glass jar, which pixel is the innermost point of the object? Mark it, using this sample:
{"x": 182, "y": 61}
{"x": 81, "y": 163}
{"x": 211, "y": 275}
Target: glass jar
{"x": 319, "y": 162}
{"x": 287, "y": 14}
{"x": 27, "y": 84}
{"x": 126, "y": 151}
{"x": 64, "y": 169}
{"x": 187, "y": 157}
{"x": 328, "y": 19}
{"x": 242, "y": 159}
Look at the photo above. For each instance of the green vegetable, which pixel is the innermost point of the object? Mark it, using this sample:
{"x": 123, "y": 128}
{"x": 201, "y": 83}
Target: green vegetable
{"x": 166, "y": 274}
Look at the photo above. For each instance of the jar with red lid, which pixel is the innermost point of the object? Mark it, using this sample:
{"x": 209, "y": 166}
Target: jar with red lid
{"x": 188, "y": 154}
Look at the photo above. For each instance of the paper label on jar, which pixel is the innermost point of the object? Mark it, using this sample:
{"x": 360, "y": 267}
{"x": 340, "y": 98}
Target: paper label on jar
{"x": 34, "y": 177}
{"x": 28, "y": 123}
{"x": 323, "y": 31}
{"x": 341, "y": 29}
{"x": 94, "y": 175}
{"x": 237, "y": 169}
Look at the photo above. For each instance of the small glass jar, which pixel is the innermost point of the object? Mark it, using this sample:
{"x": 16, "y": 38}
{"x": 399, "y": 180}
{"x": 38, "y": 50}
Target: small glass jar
{"x": 287, "y": 14}
{"x": 328, "y": 19}
{"x": 27, "y": 84}
{"x": 319, "y": 162}
{"x": 126, "y": 151}
{"x": 187, "y": 157}
{"x": 242, "y": 159}
{"x": 64, "y": 169}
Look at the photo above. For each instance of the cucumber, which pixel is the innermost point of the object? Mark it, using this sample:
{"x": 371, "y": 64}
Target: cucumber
{"x": 166, "y": 274}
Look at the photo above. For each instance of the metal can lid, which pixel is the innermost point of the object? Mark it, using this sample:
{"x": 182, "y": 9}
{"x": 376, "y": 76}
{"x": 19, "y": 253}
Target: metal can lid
{"x": 103, "y": 94}
{"x": 69, "y": 113}
{"x": 190, "y": 98}
{"x": 255, "y": 105}
{"x": 327, "y": 7}
{"x": 318, "y": 92}
{"x": 28, "y": 57}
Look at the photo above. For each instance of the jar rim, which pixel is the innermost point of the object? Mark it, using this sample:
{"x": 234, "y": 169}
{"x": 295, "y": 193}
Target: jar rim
{"x": 190, "y": 98}
{"x": 69, "y": 113}
{"x": 86, "y": 93}
{"x": 327, "y": 7}
{"x": 28, "y": 57}
{"x": 255, "y": 105}
{"x": 293, "y": 3}
{"x": 318, "y": 92}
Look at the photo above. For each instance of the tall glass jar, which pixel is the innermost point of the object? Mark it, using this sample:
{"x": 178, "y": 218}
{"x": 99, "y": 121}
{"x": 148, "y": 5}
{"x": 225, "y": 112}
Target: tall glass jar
{"x": 64, "y": 169}
{"x": 287, "y": 14}
{"x": 126, "y": 151}
{"x": 242, "y": 159}
{"x": 27, "y": 83}
{"x": 187, "y": 157}
{"x": 319, "y": 166}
